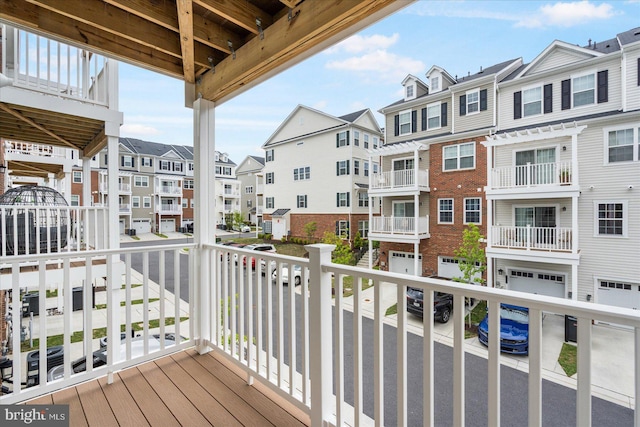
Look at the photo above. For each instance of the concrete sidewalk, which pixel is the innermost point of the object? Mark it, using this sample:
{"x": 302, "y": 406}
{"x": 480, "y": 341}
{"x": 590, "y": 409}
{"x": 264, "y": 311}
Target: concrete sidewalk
{"x": 612, "y": 370}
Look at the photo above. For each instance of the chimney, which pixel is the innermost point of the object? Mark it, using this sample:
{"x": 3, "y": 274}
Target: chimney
{"x": 589, "y": 42}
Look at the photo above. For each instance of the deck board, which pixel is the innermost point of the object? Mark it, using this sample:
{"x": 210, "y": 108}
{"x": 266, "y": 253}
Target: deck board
{"x": 185, "y": 388}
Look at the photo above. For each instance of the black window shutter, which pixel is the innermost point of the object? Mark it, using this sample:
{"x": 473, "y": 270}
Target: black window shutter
{"x": 337, "y": 168}
{"x": 638, "y": 71}
{"x": 443, "y": 114}
{"x": 348, "y": 169}
{"x": 603, "y": 86}
{"x": 566, "y": 94}
{"x": 347, "y": 137}
{"x": 396, "y": 120}
{"x": 414, "y": 121}
{"x": 424, "y": 119}
{"x": 463, "y": 105}
{"x": 337, "y": 228}
{"x": 133, "y": 162}
{"x": 337, "y": 139}
{"x": 150, "y": 162}
{"x": 517, "y": 105}
{"x": 483, "y": 100}
{"x": 122, "y": 161}
{"x": 348, "y": 199}
{"x": 337, "y": 205}
{"x": 548, "y": 98}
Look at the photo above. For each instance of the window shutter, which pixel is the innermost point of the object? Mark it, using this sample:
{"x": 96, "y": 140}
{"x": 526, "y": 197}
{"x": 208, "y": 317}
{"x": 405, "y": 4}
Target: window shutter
{"x": 150, "y": 162}
{"x": 337, "y": 168}
{"x": 638, "y": 71}
{"x": 348, "y": 169}
{"x": 463, "y": 105}
{"x": 603, "y": 86}
{"x": 548, "y": 98}
{"x": 483, "y": 100}
{"x": 396, "y": 120}
{"x": 337, "y": 139}
{"x": 122, "y": 161}
{"x": 414, "y": 121}
{"x": 337, "y": 228}
{"x": 133, "y": 162}
{"x": 443, "y": 114}
{"x": 424, "y": 119}
{"x": 347, "y": 137}
{"x": 348, "y": 229}
{"x": 566, "y": 94}
{"x": 348, "y": 194}
{"x": 517, "y": 105}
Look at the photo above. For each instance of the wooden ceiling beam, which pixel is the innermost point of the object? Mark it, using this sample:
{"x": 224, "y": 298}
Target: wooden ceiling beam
{"x": 27, "y": 120}
{"x": 314, "y": 24}
{"x": 290, "y": 3}
{"x": 185, "y": 22}
{"x": 96, "y": 144}
{"x": 77, "y": 33}
{"x": 242, "y": 14}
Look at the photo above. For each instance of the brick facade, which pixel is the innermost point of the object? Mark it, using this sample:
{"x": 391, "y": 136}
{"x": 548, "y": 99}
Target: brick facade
{"x": 325, "y": 223}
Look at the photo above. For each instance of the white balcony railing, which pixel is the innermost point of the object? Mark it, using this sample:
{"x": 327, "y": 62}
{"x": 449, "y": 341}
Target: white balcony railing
{"x": 28, "y": 230}
{"x": 44, "y": 65}
{"x": 539, "y": 238}
{"x": 296, "y": 345}
{"x": 400, "y": 179}
{"x": 259, "y": 210}
{"x": 260, "y": 189}
{"x": 531, "y": 175}
{"x": 30, "y": 149}
{"x": 124, "y": 188}
{"x": 170, "y": 209}
{"x": 169, "y": 189}
{"x": 125, "y": 207}
{"x": 400, "y": 225}
{"x": 231, "y": 193}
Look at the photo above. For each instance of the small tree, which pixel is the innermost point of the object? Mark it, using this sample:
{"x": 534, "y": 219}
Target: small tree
{"x": 310, "y": 229}
{"x": 471, "y": 257}
{"x": 236, "y": 220}
{"x": 342, "y": 253}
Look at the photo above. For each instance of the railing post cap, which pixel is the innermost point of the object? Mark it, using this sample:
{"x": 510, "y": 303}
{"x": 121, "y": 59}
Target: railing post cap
{"x": 319, "y": 248}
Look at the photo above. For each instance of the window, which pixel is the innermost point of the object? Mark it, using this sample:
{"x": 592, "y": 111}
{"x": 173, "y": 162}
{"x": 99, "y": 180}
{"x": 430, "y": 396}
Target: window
{"x": 185, "y": 203}
{"x": 532, "y": 101}
{"x": 342, "y": 200}
{"x": 356, "y": 138}
{"x": 342, "y": 167}
{"x": 409, "y": 91}
{"x": 135, "y": 201}
{"x": 473, "y": 101}
{"x": 366, "y": 168}
{"x": 177, "y": 166}
{"x": 342, "y": 229}
{"x": 611, "y": 218}
{"x": 165, "y": 165}
{"x": 301, "y": 174}
{"x": 375, "y": 168}
{"x": 445, "y": 211}
{"x": 187, "y": 184}
{"x": 405, "y": 122}
{"x": 342, "y": 139}
{"x": 269, "y": 203}
{"x": 127, "y": 161}
{"x": 366, "y": 141}
{"x": 75, "y": 200}
{"x": 269, "y": 156}
{"x": 146, "y": 202}
{"x": 621, "y": 145}
{"x": 223, "y": 170}
{"x": 249, "y": 203}
{"x": 248, "y": 189}
{"x": 140, "y": 181}
{"x": 376, "y": 142}
{"x": 435, "y": 84}
{"x": 583, "y": 90}
{"x": 363, "y": 229}
{"x": 146, "y": 161}
{"x": 472, "y": 213}
{"x": 461, "y": 156}
{"x": 193, "y": 203}
{"x": 190, "y": 166}
{"x": 404, "y": 209}
{"x": 269, "y": 178}
{"x": 77, "y": 176}
{"x": 302, "y": 201}
{"x": 433, "y": 116}
{"x": 363, "y": 200}
{"x": 356, "y": 167}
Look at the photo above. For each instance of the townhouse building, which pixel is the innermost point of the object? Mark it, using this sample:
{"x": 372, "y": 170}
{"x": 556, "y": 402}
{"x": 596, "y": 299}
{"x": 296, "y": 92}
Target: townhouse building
{"x": 433, "y": 169}
{"x": 227, "y": 189}
{"x": 317, "y": 169}
{"x": 563, "y": 177}
{"x": 249, "y": 174}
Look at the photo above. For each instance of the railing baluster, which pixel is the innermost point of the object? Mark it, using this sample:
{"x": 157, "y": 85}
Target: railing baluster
{"x": 338, "y": 335}
{"x": 305, "y": 336}
{"x": 145, "y": 303}
{"x": 235, "y": 272}
{"x": 493, "y": 371}
{"x": 428, "y": 378}
{"x": 68, "y": 311}
{"x": 357, "y": 351}
{"x": 292, "y": 328}
{"x": 401, "y": 354}
{"x": 87, "y": 311}
{"x": 535, "y": 367}
{"x": 269, "y": 325}
{"x": 127, "y": 296}
{"x": 583, "y": 404}
{"x": 378, "y": 354}
{"x": 42, "y": 327}
{"x": 280, "y": 327}
{"x": 176, "y": 291}
{"x": 162, "y": 284}
{"x": 458, "y": 362}
{"x": 16, "y": 323}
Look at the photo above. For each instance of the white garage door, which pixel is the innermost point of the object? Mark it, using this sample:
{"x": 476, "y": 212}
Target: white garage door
{"x": 167, "y": 225}
{"x": 619, "y": 294}
{"x": 541, "y": 283}
{"x": 449, "y": 268}
{"x": 403, "y": 262}
{"x": 142, "y": 225}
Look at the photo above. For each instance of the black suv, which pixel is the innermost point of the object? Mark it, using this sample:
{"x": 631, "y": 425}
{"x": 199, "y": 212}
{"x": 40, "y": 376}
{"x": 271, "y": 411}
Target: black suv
{"x": 442, "y": 304}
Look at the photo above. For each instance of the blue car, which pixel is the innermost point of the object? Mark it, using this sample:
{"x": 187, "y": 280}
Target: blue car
{"x": 514, "y": 329}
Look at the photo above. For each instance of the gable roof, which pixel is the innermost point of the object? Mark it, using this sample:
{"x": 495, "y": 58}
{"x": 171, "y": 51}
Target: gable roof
{"x": 629, "y": 37}
{"x": 352, "y": 117}
{"x": 186, "y": 152}
{"x": 442, "y": 71}
{"x": 556, "y": 46}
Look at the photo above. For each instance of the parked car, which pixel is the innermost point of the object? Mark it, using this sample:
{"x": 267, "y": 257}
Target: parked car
{"x": 245, "y": 229}
{"x": 284, "y": 273}
{"x": 260, "y": 247}
{"x": 514, "y": 329}
{"x": 442, "y": 304}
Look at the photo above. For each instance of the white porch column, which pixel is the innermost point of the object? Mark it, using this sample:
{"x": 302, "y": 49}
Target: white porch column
{"x": 86, "y": 181}
{"x": 574, "y": 282}
{"x": 320, "y": 361}
{"x": 203, "y": 218}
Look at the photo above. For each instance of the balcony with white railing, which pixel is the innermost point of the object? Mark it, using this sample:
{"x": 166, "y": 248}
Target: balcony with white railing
{"x": 322, "y": 352}
{"x": 389, "y": 227}
{"x": 125, "y": 208}
{"x": 533, "y": 177}
{"x": 527, "y": 238}
{"x": 173, "y": 209}
{"x": 170, "y": 190}
{"x": 43, "y": 65}
{"x": 31, "y": 149}
{"x": 124, "y": 188}
{"x": 400, "y": 180}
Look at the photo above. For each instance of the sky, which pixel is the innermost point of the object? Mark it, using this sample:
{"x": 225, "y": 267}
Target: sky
{"x": 366, "y": 70}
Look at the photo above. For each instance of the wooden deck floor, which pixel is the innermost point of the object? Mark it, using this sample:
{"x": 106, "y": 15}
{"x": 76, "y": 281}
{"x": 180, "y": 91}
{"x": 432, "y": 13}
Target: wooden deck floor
{"x": 184, "y": 389}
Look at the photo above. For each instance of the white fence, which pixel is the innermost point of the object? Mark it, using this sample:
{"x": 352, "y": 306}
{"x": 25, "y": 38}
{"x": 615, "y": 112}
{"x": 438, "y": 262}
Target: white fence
{"x": 539, "y": 238}
{"x": 531, "y": 174}
{"x": 400, "y": 225}
{"x": 400, "y": 179}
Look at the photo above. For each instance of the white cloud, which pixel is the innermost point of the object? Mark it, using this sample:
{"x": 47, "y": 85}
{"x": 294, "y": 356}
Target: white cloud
{"x": 358, "y": 43}
{"x": 461, "y": 9}
{"x": 568, "y": 14}
{"x": 139, "y": 130}
{"x": 379, "y": 65}
{"x": 320, "y": 105}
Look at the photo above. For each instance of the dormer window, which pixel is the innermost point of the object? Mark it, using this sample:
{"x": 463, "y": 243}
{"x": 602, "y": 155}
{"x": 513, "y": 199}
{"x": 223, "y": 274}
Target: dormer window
{"x": 409, "y": 91}
{"x": 435, "y": 84}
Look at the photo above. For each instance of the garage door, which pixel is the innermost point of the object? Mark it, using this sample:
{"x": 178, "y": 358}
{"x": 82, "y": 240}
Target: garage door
{"x": 619, "y": 294}
{"x": 402, "y": 262}
{"x": 142, "y": 225}
{"x": 541, "y": 283}
{"x": 449, "y": 268}
{"x": 167, "y": 225}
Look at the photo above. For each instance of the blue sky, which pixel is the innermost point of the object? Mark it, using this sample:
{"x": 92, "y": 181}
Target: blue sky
{"x": 366, "y": 70}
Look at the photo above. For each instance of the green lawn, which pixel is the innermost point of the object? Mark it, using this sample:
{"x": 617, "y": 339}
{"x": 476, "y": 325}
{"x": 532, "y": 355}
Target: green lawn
{"x": 568, "y": 359}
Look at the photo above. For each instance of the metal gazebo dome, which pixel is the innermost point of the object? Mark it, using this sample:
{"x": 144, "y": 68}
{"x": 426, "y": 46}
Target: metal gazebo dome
{"x": 30, "y": 215}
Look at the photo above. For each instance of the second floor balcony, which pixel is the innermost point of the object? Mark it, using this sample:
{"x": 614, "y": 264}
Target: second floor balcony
{"x": 400, "y": 180}
{"x": 231, "y": 192}
{"x": 165, "y": 208}
{"x": 540, "y": 176}
{"x": 169, "y": 189}
{"x": 386, "y": 227}
{"x": 125, "y": 208}
{"x": 552, "y": 239}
